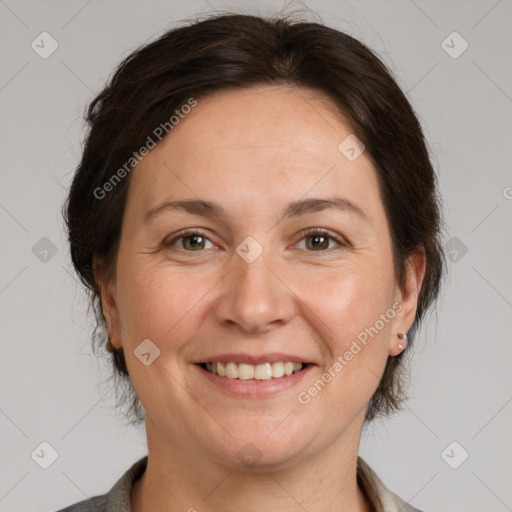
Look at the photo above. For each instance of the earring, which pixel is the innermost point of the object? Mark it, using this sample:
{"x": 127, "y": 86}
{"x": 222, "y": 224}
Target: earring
{"x": 402, "y": 336}
{"x": 110, "y": 347}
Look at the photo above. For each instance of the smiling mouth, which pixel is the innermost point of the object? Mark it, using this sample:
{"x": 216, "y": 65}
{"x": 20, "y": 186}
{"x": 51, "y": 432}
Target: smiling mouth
{"x": 245, "y": 371}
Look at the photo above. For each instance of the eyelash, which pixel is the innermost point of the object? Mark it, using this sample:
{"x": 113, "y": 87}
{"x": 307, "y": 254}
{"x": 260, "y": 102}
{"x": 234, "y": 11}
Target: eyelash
{"x": 309, "y": 233}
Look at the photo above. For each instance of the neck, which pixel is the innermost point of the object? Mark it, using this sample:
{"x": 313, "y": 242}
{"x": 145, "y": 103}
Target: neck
{"x": 177, "y": 479}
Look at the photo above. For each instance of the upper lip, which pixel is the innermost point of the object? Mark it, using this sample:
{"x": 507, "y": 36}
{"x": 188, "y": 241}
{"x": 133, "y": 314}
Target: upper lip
{"x": 273, "y": 357}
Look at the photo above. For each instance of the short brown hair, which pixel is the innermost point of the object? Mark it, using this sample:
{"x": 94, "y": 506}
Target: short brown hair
{"x": 239, "y": 51}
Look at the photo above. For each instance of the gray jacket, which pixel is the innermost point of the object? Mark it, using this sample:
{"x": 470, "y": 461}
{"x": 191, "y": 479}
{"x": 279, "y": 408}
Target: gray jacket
{"x": 118, "y": 498}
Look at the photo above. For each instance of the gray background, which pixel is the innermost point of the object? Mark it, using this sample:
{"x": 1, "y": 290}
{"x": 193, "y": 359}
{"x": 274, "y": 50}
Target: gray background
{"x": 51, "y": 385}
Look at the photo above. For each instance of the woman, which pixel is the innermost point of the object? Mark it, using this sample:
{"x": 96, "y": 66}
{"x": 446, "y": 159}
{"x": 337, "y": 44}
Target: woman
{"x": 257, "y": 220}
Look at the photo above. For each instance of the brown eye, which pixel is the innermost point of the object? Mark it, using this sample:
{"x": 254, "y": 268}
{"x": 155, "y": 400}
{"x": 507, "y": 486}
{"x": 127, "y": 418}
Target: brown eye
{"x": 191, "y": 241}
{"x": 194, "y": 242}
{"x": 318, "y": 240}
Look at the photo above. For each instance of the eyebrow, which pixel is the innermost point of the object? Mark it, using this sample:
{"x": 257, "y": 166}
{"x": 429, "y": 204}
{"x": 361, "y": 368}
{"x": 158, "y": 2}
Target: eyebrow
{"x": 294, "y": 209}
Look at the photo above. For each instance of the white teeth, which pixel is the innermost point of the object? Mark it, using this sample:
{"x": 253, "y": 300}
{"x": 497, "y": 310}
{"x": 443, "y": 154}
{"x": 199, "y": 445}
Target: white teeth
{"x": 232, "y": 370}
{"x": 245, "y": 371}
{"x": 288, "y": 368}
{"x": 263, "y": 371}
{"x": 277, "y": 369}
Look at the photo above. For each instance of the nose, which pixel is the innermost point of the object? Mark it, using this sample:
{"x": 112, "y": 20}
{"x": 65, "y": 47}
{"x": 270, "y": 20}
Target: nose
{"x": 255, "y": 296}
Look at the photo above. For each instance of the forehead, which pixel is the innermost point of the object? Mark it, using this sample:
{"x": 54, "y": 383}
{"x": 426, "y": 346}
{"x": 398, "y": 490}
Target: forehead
{"x": 295, "y": 121}
{"x": 256, "y": 146}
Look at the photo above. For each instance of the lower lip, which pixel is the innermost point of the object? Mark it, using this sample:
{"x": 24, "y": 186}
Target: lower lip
{"x": 254, "y": 388}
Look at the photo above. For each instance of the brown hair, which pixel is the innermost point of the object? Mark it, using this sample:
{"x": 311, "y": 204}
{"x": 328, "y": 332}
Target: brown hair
{"x": 240, "y": 51}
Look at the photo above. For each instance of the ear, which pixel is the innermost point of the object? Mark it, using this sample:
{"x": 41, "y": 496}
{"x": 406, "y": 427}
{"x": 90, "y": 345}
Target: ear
{"x": 107, "y": 289}
{"x": 408, "y": 296}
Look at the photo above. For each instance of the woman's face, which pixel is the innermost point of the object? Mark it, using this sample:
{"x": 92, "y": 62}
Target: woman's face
{"x": 252, "y": 285}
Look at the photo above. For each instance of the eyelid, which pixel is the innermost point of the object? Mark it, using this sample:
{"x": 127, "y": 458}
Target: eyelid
{"x": 320, "y": 231}
{"x": 341, "y": 241}
{"x": 170, "y": 241}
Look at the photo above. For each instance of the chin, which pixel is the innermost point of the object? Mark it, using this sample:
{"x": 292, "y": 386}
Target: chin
{"x": 259, "y": 445}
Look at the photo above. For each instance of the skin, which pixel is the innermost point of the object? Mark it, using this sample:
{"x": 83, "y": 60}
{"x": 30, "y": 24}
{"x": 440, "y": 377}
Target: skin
{"x": 254, "y": 151}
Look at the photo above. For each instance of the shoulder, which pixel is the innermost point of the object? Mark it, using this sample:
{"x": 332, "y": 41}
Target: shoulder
{"x": 380, "y": 497}
{"x": 95, "y": 504}
{"x": 118, "y": 498}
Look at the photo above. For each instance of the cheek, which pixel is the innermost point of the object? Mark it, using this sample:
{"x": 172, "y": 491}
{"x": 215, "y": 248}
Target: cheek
{"x": 351, "y": 311}
{"x": 163, "y": 306}
{"x": 155, "y": 302}
{"x": 348, "y": 299}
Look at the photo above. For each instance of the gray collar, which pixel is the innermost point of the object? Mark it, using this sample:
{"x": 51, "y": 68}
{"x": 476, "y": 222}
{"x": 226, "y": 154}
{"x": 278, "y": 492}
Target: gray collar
{"x": 118, "y": 498}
